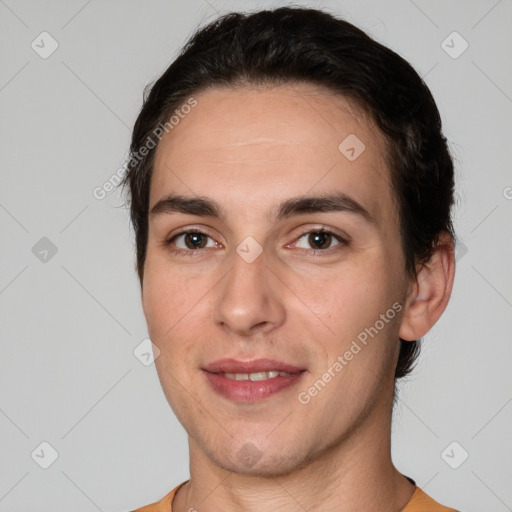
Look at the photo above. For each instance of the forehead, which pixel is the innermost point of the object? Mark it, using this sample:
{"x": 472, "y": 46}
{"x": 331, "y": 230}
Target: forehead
{"x": 263, "y": 144}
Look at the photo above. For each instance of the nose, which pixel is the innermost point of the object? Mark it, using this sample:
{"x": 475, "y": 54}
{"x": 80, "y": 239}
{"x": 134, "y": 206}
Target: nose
{"x": 249, "y": 300}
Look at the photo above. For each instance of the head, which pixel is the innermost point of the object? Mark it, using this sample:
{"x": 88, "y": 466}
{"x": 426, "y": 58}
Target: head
{"x": 267, "y": 130}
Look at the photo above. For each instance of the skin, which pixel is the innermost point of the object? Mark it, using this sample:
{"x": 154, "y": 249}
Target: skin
{"x": 249, "y": 149}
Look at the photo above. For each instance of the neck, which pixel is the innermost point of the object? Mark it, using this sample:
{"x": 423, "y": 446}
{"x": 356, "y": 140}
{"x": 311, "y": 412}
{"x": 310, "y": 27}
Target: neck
{"x": 356, "y": 473}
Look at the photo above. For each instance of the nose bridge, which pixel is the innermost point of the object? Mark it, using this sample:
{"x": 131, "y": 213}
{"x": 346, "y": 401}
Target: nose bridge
{"x": 247, "y": 297}
{"x": 244, "y": 275}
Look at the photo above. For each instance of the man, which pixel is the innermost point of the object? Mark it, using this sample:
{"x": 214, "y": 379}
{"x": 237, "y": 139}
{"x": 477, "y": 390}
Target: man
{"x": 290, "y": 191}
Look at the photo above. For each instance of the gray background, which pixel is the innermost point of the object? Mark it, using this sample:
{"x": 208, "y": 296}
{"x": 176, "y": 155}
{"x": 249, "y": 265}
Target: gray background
{"x": 70, "y": 321}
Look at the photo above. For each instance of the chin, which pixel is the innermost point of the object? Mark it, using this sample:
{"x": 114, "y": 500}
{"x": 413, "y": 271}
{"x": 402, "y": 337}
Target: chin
{"x": 250, "y": 461}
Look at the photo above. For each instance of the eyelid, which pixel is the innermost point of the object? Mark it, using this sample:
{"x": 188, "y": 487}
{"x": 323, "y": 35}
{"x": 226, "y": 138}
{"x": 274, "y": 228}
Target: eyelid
{"x": 202, "y": 231}
{"x": 192, "y": 229}
{"x": 343, "y": 240}
{"x": 321, "y": 228}
{"x": 208, "y": 238}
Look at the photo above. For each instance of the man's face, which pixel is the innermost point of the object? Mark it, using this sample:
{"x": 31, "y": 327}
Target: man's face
{"x": 255, "y": 285}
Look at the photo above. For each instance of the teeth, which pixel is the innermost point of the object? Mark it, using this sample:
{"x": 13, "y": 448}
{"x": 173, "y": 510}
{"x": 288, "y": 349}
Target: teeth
{"x": 260, "y": 376}
{"x": 256, "y": 376}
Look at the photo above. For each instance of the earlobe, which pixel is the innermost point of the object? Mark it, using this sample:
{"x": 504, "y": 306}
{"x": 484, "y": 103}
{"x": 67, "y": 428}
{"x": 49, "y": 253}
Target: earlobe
{"x": 430, "y": 291}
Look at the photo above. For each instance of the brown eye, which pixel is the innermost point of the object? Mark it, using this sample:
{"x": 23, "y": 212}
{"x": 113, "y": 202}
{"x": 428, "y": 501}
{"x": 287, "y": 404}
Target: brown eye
{"x": 191, "y": 241}
{"x": 194, "y": 240}
{"x": 319, "y": 240}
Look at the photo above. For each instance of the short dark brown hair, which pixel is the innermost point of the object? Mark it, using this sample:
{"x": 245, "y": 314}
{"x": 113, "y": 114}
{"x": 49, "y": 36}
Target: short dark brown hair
{"x": 292, "y": 44}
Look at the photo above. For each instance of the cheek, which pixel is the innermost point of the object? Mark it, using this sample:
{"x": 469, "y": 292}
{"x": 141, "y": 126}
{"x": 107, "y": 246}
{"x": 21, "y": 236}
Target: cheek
{"x": 169, "y": 316}
{"x": 162, "y": 298}
{"x": 359, "y": 348}
{"x": 354, "y": 296}
{"x": 175, "y": 308}
{"x": 351, "y": 304}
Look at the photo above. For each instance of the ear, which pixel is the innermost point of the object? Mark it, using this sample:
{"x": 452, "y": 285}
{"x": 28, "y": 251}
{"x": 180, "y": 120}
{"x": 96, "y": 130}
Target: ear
{"x": 430, "y": 291}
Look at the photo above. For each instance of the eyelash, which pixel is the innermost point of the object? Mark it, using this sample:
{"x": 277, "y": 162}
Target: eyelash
{"x": 195, "y": 252}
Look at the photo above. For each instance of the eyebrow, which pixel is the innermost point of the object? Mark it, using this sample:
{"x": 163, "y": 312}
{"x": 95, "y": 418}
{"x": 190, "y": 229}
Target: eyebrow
{"x": 205, "y": 207}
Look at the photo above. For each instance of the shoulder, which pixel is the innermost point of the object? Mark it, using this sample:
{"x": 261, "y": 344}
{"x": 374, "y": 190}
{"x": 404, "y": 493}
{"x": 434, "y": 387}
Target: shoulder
{"x": 163, "y": 505}
{"x": 422, "y": 502}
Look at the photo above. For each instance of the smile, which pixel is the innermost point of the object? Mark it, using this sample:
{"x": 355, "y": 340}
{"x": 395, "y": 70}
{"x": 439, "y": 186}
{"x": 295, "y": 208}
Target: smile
{"x": 256, "y": 376}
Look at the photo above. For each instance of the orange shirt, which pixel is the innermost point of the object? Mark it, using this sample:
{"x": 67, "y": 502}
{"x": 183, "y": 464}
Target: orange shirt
{"x": 420, "y": 502}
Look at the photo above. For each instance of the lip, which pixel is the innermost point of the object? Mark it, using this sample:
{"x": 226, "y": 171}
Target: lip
{"x": 247, "y": 390}
{"x": 256, "y": 365}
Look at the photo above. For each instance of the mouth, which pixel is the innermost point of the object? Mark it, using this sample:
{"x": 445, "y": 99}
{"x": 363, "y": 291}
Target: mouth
{"x": 256, "y": 376}
{"x": 251, "y": 381}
